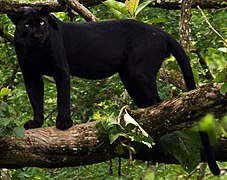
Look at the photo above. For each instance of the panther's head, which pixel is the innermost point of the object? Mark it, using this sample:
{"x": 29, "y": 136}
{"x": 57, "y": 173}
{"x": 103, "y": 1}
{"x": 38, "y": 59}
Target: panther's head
{"x": 32, "y": 26}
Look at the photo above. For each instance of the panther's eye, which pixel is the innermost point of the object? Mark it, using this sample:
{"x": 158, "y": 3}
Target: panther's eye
{"x": 27, "y": 25}
{"x": 42, "y": 23}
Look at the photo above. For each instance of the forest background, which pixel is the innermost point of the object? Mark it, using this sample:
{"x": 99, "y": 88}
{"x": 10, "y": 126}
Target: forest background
{"x": 103, "y": 99}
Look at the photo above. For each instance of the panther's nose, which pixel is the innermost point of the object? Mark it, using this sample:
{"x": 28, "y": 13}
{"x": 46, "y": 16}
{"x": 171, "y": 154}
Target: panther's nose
{"x": 38, "y": 35}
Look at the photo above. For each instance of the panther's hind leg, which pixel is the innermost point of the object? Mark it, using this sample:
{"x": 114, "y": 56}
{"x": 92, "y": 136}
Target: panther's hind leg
{"x": 141, "y": 87}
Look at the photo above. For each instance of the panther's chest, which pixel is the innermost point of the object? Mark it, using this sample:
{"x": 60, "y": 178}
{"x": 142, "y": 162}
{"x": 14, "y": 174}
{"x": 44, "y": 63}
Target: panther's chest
{"x": 40, "y": 61}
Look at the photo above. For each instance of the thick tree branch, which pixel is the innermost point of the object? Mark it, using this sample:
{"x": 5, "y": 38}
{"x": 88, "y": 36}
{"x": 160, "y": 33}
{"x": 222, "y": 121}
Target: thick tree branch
{"x": 83, "y": 11}
{"x": 7, "y": 6}
{"x": 49, "y": 147}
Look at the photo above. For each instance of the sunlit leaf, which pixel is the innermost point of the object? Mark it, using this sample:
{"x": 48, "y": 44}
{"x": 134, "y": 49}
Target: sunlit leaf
{"x": 141, "y": 7}
{"x": 223, "y": 49}
{"x": 4, "y": 92}
{"x": 129, "y": 120}
{"x": 220, "y": 76}
{"x": 118, "y": 8}
{"x": 132, "y": 6}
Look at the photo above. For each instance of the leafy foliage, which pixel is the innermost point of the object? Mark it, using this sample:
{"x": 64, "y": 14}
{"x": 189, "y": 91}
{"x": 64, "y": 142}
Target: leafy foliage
{"x": 121, "y": 135}
{"x": 183, "y": 145}
{"x": 129, "y": 9}
{"x": 8, "y": 125}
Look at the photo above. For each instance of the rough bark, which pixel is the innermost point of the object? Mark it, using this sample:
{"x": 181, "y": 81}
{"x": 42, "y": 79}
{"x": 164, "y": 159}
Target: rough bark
{"x": 184, "y": 24}
{"x": 49, "y": 147}
{"x": 13, "y": 6}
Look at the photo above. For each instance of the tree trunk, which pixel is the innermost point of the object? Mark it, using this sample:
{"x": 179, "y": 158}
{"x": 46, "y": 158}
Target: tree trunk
{"x": 49, "y": 147}
{"x": 184, "y": 24}
{"x": 7, "y": 6}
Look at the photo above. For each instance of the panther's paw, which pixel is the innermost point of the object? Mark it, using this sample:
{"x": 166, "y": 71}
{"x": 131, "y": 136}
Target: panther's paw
{"x": 63, "y": 124}
{"x": 31, "y": 124}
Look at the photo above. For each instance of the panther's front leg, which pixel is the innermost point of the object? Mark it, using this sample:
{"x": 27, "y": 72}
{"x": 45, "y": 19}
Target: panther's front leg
{"x": 34, "y": 86}
{"x": 63, "y": 100}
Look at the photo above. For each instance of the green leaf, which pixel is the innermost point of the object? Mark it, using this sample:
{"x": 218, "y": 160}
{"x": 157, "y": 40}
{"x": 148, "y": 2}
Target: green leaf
{"x": 129, "y": 120}
{"x": 4, "y": 92}
{"x": 102, "y": 132}
{"x": 109, "y": 130}
{"x": 223, "y": 89}
{"x": 19, "y": 132}
{"x": 223, "y": 49}
{"x": 220, "y": 76}
{"x": 141, "y": 7}
{"x": 148, "y": 141}
{"x": 117, "y": 6}
{"x": 119, "y": 149}
{"x": 11, "y": 111}
{"x": 132, "y": 6}
{"x": 118, "y": 14}
{"x": 5, "y": 121}
{"x": 184, "y": 146}
{"x": 157, "y": 20}
{"x": 113, "y": 137}
{"x": 195, "y": 75}
{"x": 224, "y": 125}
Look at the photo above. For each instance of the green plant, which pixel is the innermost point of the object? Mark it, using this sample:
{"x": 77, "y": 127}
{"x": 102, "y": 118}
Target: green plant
{"x": 129, "y": 9}
{"x": 120, "y": 135}
{"x": 8, "y": 125}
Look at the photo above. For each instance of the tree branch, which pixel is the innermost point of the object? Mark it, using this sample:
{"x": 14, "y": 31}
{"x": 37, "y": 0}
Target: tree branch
{"x": 173, "y": 77}
{"x": 49, "y": 147}
{"x": 211, "y": 27}
{"x": 7, "y": 6}
{"x": 83, "y": 11}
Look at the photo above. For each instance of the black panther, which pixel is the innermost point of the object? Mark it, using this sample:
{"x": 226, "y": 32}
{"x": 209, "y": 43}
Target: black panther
{"x": 47, "y": 46}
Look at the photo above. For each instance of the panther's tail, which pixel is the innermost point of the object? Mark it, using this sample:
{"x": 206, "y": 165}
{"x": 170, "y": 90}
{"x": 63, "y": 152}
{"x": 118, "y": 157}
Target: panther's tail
{"x": 209, "y": 153}
{"x": 177, "y": 51}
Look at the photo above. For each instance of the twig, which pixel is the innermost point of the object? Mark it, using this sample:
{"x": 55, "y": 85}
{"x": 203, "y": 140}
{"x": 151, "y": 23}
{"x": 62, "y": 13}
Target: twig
{"x": 173, "y": 77}
{"x": 211, "y": 27}
{"x": 50, "y": 114}
{"x": 203, "y": 63}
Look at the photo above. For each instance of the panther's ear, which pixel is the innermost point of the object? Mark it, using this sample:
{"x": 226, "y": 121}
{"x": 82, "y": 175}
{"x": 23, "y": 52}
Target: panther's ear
{"x": 53, "y": 21}
{"x": 15, "y": 17}
{"x": 45, "y": 11}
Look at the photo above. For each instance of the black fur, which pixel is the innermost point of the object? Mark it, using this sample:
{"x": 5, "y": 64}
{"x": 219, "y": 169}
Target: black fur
{"x": 94, "y": 50}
